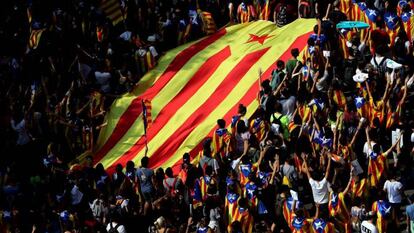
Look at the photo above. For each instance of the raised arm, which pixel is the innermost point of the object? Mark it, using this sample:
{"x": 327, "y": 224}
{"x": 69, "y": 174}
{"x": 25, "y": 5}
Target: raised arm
{"x": 356, "y": 133}
{"x": 328, "y": 168}
{"x": 348, "y": 186}
{"x": 305, "y": 164}
{"x": 394, "y": 145}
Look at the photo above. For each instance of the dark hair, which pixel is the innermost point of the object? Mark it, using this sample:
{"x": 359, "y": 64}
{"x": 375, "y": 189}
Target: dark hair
{"x": 376, "y": 148}
{"x": 280, "y": 64}
{"x": 118, "y": 167}
{"x": 169, "y": 172}
{"x": 130, "y": 165}
{"x": 144, "y": 161}
{"x": 209, "y": 170}
{"x": 242, "y": 109}
{"x": 294, "y": 52}
{"x": 241, "y": 127}
{"x": 221, "y": 123}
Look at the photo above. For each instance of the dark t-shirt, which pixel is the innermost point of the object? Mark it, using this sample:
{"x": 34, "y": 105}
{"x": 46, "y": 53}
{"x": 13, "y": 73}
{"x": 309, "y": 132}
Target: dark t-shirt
{"x": 145, "y": 178}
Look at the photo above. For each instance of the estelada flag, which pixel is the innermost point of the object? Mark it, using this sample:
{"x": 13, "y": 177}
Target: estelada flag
{"x": 112, "y": 10}
{"x": 190, "y": 88}
{"x": 209, "y": 26}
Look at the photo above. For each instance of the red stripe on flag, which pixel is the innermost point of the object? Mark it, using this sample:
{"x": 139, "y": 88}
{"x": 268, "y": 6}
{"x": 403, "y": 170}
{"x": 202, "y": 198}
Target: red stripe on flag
{"x": 247, "y": 98}
{"x": 135, "y": 108}
{"x": 197, "y": 81}
{"x": 231, "y": 81}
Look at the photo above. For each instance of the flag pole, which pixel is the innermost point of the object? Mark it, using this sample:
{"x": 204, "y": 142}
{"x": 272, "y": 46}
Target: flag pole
{"x": 144, "y": 118}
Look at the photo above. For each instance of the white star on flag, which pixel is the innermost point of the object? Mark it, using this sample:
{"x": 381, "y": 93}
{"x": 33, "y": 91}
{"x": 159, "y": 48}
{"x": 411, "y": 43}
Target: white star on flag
{"x": 372, "y": 12}
{"x": 390, "y": 19}
{"x": 318, "y": 225}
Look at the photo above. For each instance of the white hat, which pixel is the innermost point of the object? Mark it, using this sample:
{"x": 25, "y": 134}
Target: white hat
{"x": 360, "y": 77}
{"x": 393, "y": 65}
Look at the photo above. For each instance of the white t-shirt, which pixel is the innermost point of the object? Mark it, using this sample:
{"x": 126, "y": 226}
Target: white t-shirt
{"x": 393, "y": 189}
{"x": 320, "y": 190}
{"x": 368, "y": 227}
{"x": 240, "y": 138}
{"x": 366, "y": 149}
{"x": 121, "y": 228}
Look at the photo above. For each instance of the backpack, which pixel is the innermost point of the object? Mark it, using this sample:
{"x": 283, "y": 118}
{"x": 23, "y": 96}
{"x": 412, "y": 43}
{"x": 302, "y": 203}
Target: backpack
{"x": 380, "y": 67}
{"x": 113, "y": 229}
{"x": 171, "y": 188}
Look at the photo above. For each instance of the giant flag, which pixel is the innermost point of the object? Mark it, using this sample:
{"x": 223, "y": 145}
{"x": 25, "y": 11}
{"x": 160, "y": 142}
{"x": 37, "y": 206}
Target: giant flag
{"x": 191, "y": 87}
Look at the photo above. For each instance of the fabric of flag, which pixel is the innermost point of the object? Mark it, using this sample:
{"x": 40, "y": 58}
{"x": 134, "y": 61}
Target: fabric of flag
{"x": 250, "y": 191}
{"x": 231, "y": 206}
{"x": 338, "y": 159}
{"x": 339, "y": 99}
{"x": 345, "y": 7}
{"x": 288, "y": 210}
{"x": 99, "y": 33}
{"x": 370, "y": 17}
{"x": 363, "y": 108}
{"x": 299, "y": 224}
{"x": 407, "y": 19}
{"x": 319, "y": 225}
{"x": 401, "y": 4}
{"x": 205, "y": 181}
{"x": 292, "y": 126}
{"x": 221, "y": 140}
{"x": 34, "y": 39}
{"x": 317, "y": 104}
{"x": 245, "y": 170}
{"x": 376, "y": 167}
{"x": 245, "y": 12}
{"x": 357, "y": 11}
{"x": 383, "y": 210}
{"x": 339, "y": 212}
{"x": 392, "y": 25}
{"x": 245, "y": 218}
{"x": 377, "y": 111}
{"x": 304, "y": 112}
{"x": 262, "y": 7}
{"x": 260, "y": 128}
{"x": 112, "y": 10}
{"x": 359, "y": 188}
{"x": 209, "y": 26}
{"x": 190, "y": 88}
{"x": 393, "y": 117}
{"x": 344, "y": 37}
{"x": 196, "y": 195}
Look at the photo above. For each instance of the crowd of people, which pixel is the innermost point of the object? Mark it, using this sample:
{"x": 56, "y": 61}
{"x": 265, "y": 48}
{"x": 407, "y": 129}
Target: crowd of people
{"x": 330, "y": 148}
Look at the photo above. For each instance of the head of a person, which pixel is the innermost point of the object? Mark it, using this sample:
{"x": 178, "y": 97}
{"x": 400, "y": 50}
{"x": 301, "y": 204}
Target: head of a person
{"x": 169, "y": 172}
{"x": 100, "y": 168}
{"x": 160, "y": 223}
{"x": 376, "y": 148}
{"x": 299, "y": 213}
{"x": 159, "y": 174}
{"x": 316, "y": 175}
{"x": 280, "y": 64}
{"x": 130, "y": 165}
{"x": 207, "y": 147}
{"x": 221, "y": 123}
{"x": 294, "y": 52}
{"x": 242, "y": 110}
{"x": 209, "y": 170}
{"x": 186, "y": 158}
{"x": 118, "y": 168}
{"x": 241, "y": 127}
{"x": 144, "y": 161}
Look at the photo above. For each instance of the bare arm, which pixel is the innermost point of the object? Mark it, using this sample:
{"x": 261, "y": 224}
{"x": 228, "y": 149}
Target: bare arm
{"x": 348, "y": 186}
{"x": 328, "y": 168}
